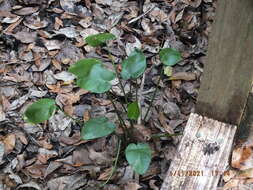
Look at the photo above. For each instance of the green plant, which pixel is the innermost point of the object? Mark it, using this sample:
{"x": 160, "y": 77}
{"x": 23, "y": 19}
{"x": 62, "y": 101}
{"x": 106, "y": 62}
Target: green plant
{"x": 94, "y": 77}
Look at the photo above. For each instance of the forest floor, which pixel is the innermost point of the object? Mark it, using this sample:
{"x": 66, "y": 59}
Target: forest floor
{"x": 40, "y": 39}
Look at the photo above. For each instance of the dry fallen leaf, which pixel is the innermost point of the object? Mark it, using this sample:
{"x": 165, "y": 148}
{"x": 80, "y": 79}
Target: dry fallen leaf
{"x": 183, "y": 76}
{"x": 145, "y": 131}
{"x": 26, "y": 11}
{"x": 132, "y": 186}
{"x": 105, "y": 174}
{"x": 9, "y": 143}
{"x": 26, "y": 37}
{"x": 242, "y": 157}
{"x": 81, "y": 157}
{"x": 99, "y": 157}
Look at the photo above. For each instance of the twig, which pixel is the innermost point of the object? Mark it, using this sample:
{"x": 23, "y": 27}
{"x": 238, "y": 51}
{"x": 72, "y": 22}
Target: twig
{"x": 142, "y": 15}
{"x": 115, "y": 164}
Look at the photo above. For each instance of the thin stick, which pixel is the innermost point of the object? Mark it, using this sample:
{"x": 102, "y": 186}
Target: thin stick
{"x": 142, "y": 15}
{"x": 153, "y": 97}
{"x": 115, "y": 164}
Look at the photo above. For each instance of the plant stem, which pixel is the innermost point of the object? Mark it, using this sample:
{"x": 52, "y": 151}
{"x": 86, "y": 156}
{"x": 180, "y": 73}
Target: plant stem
{"x": 136, "y": 91}
{"x": 122, "y": 123}
{"x": 117, "y": 74}
{"x": 130, "y": 90}
{"x": 119, "y": 101}
{"x": 115, "y": 164}
{"x": 123, "y": 90}
{"x": 153, "y": 97}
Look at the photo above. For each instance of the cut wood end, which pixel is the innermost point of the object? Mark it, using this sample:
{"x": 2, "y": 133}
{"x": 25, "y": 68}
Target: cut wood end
{"x": 202, "y": 155}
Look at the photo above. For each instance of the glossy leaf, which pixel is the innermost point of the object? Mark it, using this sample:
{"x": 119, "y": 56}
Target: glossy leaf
{"x": 139, "y": 157}
{"x": 169, "y": 56}
{"x": 40, "y": 111}
{"x": 133, "y": 111}
{"x": 99, "y": 39}
{"x": 134, "y": 65}
{"x": 92, "y": 76}
{"x": 97, "y": 127}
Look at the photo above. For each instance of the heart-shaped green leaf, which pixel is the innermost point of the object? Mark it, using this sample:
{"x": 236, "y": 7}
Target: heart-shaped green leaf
{"x": 139, "y": 157}
{"x": 134, "y": 65}
{"x": 40, "y": 111}
{"x": 92, "y": 76}
{"x": 133, "y": 111}
{"x": 170, "y": 56}
{"x": 97, "y": 127}
{"x": 99, "y": 39}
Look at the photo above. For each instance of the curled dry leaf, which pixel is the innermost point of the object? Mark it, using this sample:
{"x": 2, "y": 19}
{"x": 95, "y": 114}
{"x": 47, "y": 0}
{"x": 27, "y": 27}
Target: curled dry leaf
{"x": 86, "y": 22}
{"x": 105, "y": 174}
{"x": 1, "y": 152}
{"x": 81, "y": 158}
{"x": 99, "y": 157}
{"x": 53, "y": 165}
{"x": 10, "y": 20}
{"x": 87, "y": 32}
{"x": 132, "y": 186}
{"x": 36, "y": 170}
{"x": 163, "y": 122}
{"x": 26, "y": 11}
{"x": 73, "y": 182}
{"x": 144, "y": 131}
{"x": 69, "y": 32}
{"x": 171, "y": 110}
{"x": 152, "y": 185}
{"x": 44, "y": 63}
{"x": 2, "y": 114}
{"x": 65, "y": 76}
{"x": 242, "y": 157}
{"x": 68, "y": 5}
{"x": 52, "y": 44}
{"x": 193, "y": 3}
{"x": 35, "y": 23}
{"x": 26, "y": 37}
{"x": 183, "y": 76}
{"x": 130, "y": 47}
{"x": 9, "y": 143}
{"x": 29, "y": 185}
{"x": 44, "y": 155}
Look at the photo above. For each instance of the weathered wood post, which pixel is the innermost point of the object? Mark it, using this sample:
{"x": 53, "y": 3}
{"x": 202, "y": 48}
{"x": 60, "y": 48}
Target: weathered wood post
{"x": 205, "y": 148}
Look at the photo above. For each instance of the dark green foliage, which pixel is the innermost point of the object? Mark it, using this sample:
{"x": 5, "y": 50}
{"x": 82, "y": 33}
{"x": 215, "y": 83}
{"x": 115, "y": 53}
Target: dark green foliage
{"x": 40, "y": 111}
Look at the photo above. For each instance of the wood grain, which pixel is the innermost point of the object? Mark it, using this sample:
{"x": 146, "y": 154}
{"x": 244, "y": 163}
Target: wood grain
{"x": 228, "y": 74}
{"x": 202, "y": 155}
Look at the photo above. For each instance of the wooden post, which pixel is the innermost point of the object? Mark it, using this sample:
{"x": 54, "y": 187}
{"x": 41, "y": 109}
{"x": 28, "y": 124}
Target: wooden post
{"x": 202, "y": 155}
{"x": 205, "y": 148}
{"x": 228, "y": 74}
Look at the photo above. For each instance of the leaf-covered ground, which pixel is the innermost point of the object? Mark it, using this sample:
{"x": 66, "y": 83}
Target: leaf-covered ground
{"x": 40, "y": 39}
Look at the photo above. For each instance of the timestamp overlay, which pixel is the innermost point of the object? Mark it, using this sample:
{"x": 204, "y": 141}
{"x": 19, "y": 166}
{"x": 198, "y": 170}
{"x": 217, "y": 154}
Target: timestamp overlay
{"x": 196, "y": 173}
